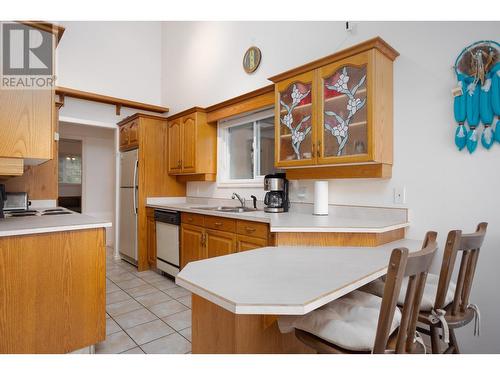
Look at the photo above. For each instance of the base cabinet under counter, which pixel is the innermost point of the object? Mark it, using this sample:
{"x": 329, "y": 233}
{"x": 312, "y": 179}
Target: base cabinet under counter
{"x": 207, "y": 236}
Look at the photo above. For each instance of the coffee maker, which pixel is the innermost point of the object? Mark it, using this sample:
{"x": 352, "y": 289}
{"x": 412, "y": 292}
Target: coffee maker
{"x": 276, "y": 199}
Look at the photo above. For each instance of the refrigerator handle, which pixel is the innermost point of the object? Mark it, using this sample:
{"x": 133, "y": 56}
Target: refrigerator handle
{"x": 135, "y": 185}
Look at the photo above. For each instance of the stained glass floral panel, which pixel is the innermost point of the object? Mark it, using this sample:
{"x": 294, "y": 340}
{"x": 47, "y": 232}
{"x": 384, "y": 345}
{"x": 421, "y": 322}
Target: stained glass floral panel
{"x": 296, "y": 122}
{"x": 345, "y": 112}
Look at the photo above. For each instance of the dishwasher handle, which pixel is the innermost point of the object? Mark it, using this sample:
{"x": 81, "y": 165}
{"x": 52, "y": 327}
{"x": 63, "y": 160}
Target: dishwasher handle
{"x": 169, "y": 217}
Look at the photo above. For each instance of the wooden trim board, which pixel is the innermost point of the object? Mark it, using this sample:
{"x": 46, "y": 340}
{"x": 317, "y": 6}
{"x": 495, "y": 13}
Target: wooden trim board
{"x": 377, "y": 43}
{"x": 373, "y": 170}
{"x": 57, "y": 30}
{"x": 338, "y": 239}
{"x": 91, "y": 96}
{"x": 248, "y": 102}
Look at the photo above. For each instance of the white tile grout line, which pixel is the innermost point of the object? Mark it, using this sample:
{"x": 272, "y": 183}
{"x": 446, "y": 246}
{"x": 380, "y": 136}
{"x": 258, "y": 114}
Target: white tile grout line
{"x": 118, "y": 264}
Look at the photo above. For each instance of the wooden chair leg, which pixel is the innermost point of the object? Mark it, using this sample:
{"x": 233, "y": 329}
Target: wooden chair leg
{"x": 454, "y": 342}
{"x": 435, "y": 340}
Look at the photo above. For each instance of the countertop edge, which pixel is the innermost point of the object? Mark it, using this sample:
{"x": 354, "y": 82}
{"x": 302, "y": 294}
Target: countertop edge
{"x": 270, "y": 309}
{"x": 283, "y": 229}
{"x": 60, "y": 228}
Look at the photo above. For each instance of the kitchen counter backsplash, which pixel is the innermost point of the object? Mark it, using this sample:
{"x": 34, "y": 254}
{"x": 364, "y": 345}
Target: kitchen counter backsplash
{"x": 345, "y": 211}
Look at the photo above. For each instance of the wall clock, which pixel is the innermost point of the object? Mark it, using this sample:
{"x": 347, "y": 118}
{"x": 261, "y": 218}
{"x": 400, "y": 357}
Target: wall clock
{"x": 251, "y": 60}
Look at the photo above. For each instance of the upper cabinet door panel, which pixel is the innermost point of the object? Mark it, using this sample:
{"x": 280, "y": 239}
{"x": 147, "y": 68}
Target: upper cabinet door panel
{"x": 295, "y": 133}
{"x": 344, "y": 122}
{"x": 174, "y": 146}
{"x": 26, "y": 123}
{"x": 189, "y": 144}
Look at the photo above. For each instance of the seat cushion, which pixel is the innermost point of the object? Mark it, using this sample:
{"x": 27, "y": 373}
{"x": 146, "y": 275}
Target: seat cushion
{"x": 349, "y": 322}
{"x": 377, "y": 288}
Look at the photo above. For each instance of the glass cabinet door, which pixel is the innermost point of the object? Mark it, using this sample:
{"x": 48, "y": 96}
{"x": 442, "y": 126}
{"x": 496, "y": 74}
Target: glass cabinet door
{"x": 294, "y": 118}
{"x": 343, "y": 133}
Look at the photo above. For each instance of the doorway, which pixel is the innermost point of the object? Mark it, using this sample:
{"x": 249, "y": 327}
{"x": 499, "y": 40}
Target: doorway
{"x": 70, "y": 174}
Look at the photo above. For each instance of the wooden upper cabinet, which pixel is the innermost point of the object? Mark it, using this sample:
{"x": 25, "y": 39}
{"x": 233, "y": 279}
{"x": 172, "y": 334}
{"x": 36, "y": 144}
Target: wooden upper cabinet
{"x": 295, "y": 125}
{"x": 133, "y": 133}
{"x": 189, "y": 144}
{"x": 337, "y": 110}
{"x": 123, "y": 136}
{"x": 26, "y": 121}
{"x": 192, "y": 150}
{"x": 174, "y": 147}
{"x": 129, "y": 134}
{"x": 344, "y": 107}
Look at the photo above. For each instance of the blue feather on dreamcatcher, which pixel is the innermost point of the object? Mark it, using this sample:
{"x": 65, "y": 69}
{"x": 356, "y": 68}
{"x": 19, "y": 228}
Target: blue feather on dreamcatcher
{"x": 478, "y": 98}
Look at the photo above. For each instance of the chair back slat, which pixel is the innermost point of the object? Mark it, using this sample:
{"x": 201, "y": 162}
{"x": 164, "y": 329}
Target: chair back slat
{"x": 469, "y": 245}
{"x": 447, "y": 267}
{"x": 457, "y": 299}
{"x": 395, "y": 275}
{"x": 469, "y": 278}
{"x": 416, "y": 309}
{"x": 415, "y": 266}
{"x": 406, "y": 316}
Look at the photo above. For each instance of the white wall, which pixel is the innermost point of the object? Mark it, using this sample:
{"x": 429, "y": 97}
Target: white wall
{"x": 445, "y": 189}
{"x": 98, "y": 171}
{"x": 121, "y": 59}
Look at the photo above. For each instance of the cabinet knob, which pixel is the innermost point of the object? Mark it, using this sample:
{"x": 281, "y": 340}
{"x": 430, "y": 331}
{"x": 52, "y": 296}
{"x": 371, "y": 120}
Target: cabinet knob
{"x": 218, "y": 224}
{"x": 250, "y": 229}
{"x": 319, "y": 148}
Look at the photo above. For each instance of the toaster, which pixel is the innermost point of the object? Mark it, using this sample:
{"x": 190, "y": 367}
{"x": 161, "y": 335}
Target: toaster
{"x": 16, "y": 202}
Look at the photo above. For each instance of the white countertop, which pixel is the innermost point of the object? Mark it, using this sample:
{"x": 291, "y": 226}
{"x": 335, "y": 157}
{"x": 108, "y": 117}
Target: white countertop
{"x": 347, "y": 219}
{"x": 286, "y": 280}
{"x": 16, "y": 226}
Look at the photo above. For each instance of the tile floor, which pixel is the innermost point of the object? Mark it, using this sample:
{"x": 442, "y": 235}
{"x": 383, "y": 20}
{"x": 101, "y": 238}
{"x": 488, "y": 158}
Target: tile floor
{"x": 145, "y": 312}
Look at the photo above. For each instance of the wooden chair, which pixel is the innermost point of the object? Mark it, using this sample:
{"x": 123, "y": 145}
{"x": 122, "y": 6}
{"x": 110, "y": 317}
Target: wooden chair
{"x": 459, "y": 312}
{"x": 401, "y": 264}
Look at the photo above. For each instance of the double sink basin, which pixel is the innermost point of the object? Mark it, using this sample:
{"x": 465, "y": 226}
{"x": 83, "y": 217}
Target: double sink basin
{"x": 226, "y": 209}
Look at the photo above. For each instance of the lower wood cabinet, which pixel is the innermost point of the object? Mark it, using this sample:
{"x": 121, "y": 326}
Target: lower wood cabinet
{"x": 244, "y": 243}
{"x": 205, "y": 236}
{"x": 220, "y": 243}
{"x": 192, "y": 243}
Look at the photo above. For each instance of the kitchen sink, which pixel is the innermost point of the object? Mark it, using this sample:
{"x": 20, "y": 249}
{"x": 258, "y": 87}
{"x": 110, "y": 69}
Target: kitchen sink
{"x": 226, "y": 209}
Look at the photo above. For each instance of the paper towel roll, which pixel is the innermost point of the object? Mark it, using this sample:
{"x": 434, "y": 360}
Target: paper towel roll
{"x": 321, "y": 198}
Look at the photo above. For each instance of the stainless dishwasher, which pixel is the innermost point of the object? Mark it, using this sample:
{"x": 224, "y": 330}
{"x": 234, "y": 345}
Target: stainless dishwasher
{"x": 167, "y": 241}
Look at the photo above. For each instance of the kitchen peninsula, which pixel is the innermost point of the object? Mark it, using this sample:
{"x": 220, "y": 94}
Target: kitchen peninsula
{"x": 240, "y": 316}
{"x": 52, "y": 289}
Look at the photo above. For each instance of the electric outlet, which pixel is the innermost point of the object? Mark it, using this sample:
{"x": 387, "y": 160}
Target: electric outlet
{"x": 301, "y": 193}
{"x": 400, "y": 195}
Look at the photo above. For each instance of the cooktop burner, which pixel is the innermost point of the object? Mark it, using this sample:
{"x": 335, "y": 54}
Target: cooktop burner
{"x": 23, "y": 213}
{"x": 42, "y": 212}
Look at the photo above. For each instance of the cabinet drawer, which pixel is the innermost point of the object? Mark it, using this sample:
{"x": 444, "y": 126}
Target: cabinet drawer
{"x": 193, "y": 219}
{"x": 220, "y": 223}
{"x": 252, "y": 228}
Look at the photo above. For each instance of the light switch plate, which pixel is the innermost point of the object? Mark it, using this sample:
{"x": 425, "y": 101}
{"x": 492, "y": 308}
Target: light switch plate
{"x": 400, "y": 195}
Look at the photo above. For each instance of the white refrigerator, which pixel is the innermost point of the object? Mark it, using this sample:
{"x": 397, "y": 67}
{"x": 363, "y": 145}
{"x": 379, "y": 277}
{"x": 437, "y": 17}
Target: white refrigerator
{"x": 128, "y": 205}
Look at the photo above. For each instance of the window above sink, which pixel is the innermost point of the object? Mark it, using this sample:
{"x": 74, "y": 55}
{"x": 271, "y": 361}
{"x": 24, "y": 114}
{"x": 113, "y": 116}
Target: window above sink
{"x": 246, "y": 149}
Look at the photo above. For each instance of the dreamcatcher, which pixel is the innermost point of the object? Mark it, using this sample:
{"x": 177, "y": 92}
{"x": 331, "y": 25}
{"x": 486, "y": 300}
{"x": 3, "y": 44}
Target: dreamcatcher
{"x": 477, "y": 97}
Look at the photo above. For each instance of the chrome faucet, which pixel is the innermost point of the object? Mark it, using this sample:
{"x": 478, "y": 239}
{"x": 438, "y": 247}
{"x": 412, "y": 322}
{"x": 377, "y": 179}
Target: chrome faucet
{"x": 242, "y": 200}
